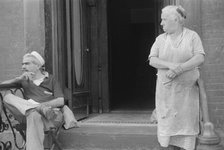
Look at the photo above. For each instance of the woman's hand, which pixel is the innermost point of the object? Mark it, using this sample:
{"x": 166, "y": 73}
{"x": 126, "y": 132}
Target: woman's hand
{"x": 173, "y": 66}
{"x": 178, "y": 70}
{"x": 171, "y": 74}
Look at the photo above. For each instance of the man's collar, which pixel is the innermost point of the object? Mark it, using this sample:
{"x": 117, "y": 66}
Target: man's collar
{"x": 39, "y": 81}
{"x": 46, "y": 74}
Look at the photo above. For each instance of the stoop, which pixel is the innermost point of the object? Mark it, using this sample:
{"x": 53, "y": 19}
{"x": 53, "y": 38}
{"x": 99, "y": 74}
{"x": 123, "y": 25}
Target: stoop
{"x": 113, "y": 131}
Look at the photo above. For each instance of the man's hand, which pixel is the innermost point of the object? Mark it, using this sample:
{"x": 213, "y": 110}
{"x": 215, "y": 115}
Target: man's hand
{"x": 40, "y": 107}
{"x": 46, "y": 111}
{"x": 26, "y": 76}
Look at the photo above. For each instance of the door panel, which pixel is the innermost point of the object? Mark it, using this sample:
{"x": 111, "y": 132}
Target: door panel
{"x": 80, "y": 59}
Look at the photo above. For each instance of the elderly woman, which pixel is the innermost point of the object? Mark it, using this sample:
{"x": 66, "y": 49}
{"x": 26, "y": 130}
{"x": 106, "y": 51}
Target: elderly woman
{"x": 176, "y": 54}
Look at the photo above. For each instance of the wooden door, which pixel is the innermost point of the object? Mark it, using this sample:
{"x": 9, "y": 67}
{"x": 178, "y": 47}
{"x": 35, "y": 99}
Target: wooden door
{"x": 78, "y": 57}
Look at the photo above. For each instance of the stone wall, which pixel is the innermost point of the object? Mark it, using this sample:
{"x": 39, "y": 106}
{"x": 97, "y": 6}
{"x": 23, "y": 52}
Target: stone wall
{"x": 11, "y": 38}
{"x": 212, "y": 21}
{"x": 22, "y": 29}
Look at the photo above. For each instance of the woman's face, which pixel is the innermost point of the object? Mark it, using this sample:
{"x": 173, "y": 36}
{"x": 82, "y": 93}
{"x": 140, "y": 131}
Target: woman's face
{"x": 169, "y": 23}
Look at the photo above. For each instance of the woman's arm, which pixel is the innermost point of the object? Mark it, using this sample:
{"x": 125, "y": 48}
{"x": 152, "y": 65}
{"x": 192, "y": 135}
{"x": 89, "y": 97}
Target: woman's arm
{"x": 175, "y": 69}
{"x": 161, "y": 64}
{"x": 195, "y": 61}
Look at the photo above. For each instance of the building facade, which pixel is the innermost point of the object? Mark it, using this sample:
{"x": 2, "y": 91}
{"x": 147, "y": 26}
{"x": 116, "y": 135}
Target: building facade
{"x": 98, "y": 49}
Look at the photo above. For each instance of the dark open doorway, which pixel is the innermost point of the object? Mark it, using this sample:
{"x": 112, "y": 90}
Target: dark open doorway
{"x": 131, "y": 25}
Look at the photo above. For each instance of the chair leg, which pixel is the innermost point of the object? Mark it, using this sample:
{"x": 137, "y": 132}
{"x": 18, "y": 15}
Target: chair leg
{"x": 55, "y": 142}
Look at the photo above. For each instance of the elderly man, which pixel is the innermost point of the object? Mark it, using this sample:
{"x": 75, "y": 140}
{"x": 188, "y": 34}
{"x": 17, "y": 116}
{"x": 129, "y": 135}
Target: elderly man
{"x": 43, "y": 95}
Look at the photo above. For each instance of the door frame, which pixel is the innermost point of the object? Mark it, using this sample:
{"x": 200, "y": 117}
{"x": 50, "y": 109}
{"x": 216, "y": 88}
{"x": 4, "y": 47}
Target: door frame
{"x": 99, "y": 47}
{"x": 60, "y": 52}
{"x": 99, "y": 56}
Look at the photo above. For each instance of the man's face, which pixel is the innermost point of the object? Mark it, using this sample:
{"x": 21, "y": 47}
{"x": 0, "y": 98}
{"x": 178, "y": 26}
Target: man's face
{"x": 168, "y": 23}
{"x": 29, "y": 66}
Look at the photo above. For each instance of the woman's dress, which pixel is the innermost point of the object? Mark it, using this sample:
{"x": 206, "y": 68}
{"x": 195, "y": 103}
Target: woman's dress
{"x": 177, "y": 100}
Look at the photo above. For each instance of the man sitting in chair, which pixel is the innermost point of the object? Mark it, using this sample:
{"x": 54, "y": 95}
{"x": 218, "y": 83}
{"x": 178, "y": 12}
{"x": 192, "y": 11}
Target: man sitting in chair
{"x": 43, "y": 95}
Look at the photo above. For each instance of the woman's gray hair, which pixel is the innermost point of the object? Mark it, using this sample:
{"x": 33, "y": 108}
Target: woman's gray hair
{"x": 177, "y": 11}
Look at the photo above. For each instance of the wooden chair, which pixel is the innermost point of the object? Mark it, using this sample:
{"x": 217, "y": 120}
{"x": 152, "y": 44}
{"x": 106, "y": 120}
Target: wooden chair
{"x": 51, "y": 136}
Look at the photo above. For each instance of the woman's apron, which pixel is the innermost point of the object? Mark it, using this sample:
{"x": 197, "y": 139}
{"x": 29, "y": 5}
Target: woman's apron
{"x": 177, "y": 101}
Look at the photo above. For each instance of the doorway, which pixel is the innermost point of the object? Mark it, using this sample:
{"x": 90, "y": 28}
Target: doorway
{"x": 132, "y": 31}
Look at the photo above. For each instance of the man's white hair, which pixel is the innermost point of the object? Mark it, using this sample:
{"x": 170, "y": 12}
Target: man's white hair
{"x": 37, "y": 58}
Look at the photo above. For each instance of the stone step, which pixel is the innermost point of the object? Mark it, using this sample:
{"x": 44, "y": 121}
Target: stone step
{"x": 112, "y": 136}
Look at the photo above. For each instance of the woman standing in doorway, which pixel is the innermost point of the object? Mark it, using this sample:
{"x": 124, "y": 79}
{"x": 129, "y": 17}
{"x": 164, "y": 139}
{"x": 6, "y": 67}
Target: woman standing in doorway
{"x": 176, "y": 54}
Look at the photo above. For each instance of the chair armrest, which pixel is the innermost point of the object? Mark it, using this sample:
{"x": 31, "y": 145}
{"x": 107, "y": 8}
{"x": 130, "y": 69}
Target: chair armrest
{"x": 4, "y": 86}
{"x": 12, "y": 87}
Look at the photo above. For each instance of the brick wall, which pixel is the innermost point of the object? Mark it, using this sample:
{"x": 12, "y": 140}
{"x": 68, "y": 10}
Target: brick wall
{"x": 11, "y": 38}
{"x": 213, "y": 69}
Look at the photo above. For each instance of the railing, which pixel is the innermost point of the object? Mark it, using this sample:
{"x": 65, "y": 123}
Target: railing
{"x": 4, "y": 126}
